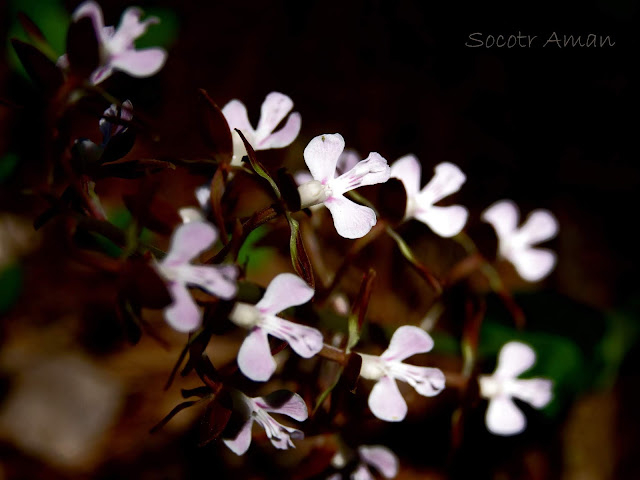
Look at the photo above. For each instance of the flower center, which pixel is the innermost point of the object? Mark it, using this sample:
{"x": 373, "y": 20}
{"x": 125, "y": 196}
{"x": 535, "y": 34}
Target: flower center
{"x": 373, "y": 367}
{"x": 245, "y": 315}
{"x": 313, "y": 193}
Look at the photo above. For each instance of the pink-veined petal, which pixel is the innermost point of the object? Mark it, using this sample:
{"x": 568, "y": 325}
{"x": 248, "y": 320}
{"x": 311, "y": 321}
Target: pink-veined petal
{"x": 140, "y": 63}
{"x": 129, "y": 29}
{"x": 448, "y": 179}
{"x": 427, "y": 381}
{"x": 408, "y": 170}
{"x": 216, "y": 280}
{"x": 305, "y": 341}
{"x": 188, "y": 241}
{"x": 533, "y": 264}
{"x": 275, "y": 107}
{"x": 183, "y": 314}
{"x": 321, "y": 155}
{"x": 445, "y": 221}
{"x": 503, "y": 216}
{"x": 241, "y": 443}
{"x": 237, "y": 117}
{"x": 535, "y": 391}
{"x": 283, "y": 440}
{"x": 348, "y": 159}
{"x": 285, "y": 290}
{"x": 539, "y": 226}
{"x": 370, "y": 171}
{"x": 514, "y": 359}
{"x": 350, "y": 219}
{"x": 381, "y": 458}
{"x": 286, "y": 403}
{"x": 386, "y": 402}
{"x": 100, "y": 74}
{"x": 92, "y": 10}
{"x": 407, "y": 341}
{"x": 283, "y": 137}
{"x": 254, "y": 357}
{"x": 504, "y": 417}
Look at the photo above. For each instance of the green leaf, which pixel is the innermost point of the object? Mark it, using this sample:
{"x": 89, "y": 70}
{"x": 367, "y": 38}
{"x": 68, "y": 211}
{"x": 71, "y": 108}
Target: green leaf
{"x": 11, "y": 280}
{"x": 415, "y": 263}
{"x": 252, "y": 255}
{"x": 8, "y": 163}
{"x": 622, "y": 333}
{"x": 51, "y": 18}
{"x": 299, "y": 257}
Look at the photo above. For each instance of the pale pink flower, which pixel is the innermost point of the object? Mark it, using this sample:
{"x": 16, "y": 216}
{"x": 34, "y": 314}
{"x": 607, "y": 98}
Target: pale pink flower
{"x": 503, "y": 416}
{"x": 275, "y": 108}
{"x": 516, "y": 244}
{"x": 385, "y": 400}
{"x": 258, "y": 409}
{"x": 382, "y": 459}
{"x": 284, "y": 291}
{"x": 116, "y": 46}
{"x": 445, "y": 221}
{"x": 188, "y": 241}
{"x": 321, "y": 156}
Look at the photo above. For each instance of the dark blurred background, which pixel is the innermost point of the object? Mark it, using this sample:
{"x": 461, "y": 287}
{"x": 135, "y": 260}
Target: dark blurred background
{"x": 545, "y": 126}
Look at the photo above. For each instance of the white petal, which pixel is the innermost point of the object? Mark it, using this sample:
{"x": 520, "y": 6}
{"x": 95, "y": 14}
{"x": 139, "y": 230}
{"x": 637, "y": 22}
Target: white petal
{"x": 240, "y": 444}
{"x": 514, "y": 359}
{"x": 535, "y": 391}
{"x": 129, "y": 29}
{"x": 350, "y": 219}
{"x": 540, "y": 226}
{"x": 216, "y": 280}
{"x": 503, "y": 216}
{"x": 140, "y": 63}
{"x": 504, "y": 417}
{"x": 254, "y": 357}
{"x": 283, "y": 137}
{"x": 381, "y": 458}
{"x": 285, "y": 290}
{"x": 183, "y": 314}
{"x": 285, "y": 403}
{"x": 361, "y": 473}
{"x": 321, "y": 155}
{"x": 275, "y": 107}
{"x": 236, "y": 115}
{"x": 408, "y": 170}
{"x": 533, "y": 264}
{"x": 407, "y": 341}
{"x": 386, "y": 402}
{"x": 92, "y": 10}
{"x": 445, "y": 221}
{"x": 188, "y": 241}
{"x": 448, "y": 179}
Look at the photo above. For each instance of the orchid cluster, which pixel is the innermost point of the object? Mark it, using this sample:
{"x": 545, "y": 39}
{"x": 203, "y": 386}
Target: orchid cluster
{"x": 202, "y": 255}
